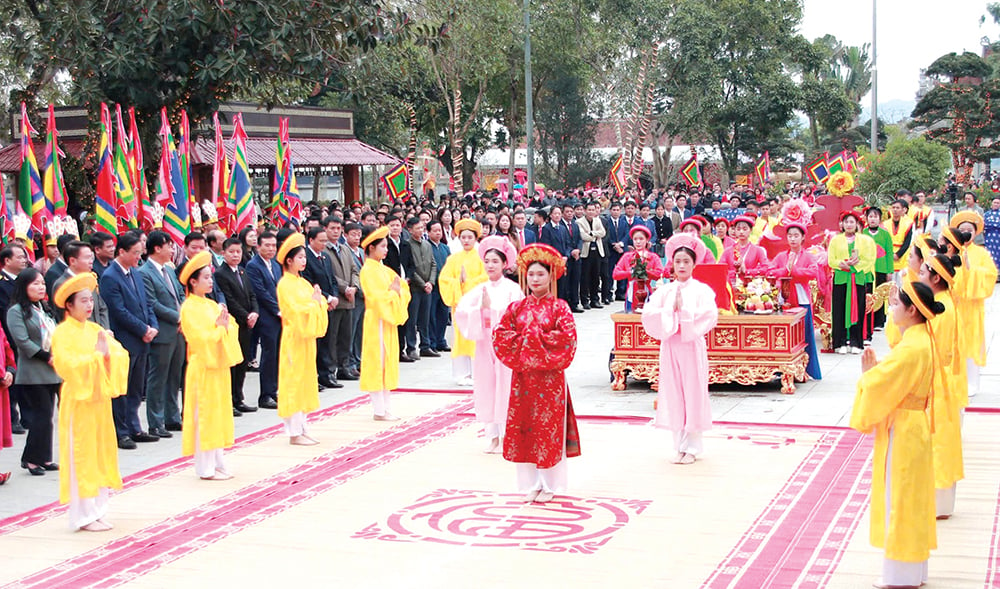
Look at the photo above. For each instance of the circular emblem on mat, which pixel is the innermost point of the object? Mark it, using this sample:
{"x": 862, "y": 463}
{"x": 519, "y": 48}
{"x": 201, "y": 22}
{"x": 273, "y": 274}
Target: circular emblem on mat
{"x": 478, "y": 518}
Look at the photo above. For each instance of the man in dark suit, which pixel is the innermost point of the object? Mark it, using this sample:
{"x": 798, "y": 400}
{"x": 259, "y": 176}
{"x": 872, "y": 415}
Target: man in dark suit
{"x": 242, "y": 305}
{"x": 617, "y": 229}
{"x": 421, "y": 269}
{"x": 168, "y": 349}
{"x": 348, "y": 284}
{"x": 352, "y": 234}
{"x": 194, "y": 243}
{"x": 134, "y": 324}
{"x": 525, "y": 234}
{"x": 13, "y": 259}
{"x": 59, "y": 265}
{"x": 393, "y": 260}
{"x": 264, "y": 272}
{"x": 573, "y": 263}
{"x": 554, "y": 233}
{"x": 319, "y": 271}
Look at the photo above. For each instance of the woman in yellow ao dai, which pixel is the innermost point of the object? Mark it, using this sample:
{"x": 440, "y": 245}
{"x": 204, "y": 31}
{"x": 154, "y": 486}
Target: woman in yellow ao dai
{"x": 213, "y": 346}
{"x": 386, "y": 301}
{"x": 462, "y": 272}
{"x": 94, "y": 369}
{"x": 303, "y": 320}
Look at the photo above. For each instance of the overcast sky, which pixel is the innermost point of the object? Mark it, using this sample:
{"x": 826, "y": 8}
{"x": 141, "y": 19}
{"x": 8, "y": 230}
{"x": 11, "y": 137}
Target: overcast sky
{"x": 911, "y": 34}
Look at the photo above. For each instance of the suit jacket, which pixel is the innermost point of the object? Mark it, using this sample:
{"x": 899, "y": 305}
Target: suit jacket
{"x": 100, "y": 314}
{"x": 592, "y": 236}
{"x": 130, "y": 311}
{"x": 529, "y": 236}
{"x": 557, "y": 237}
{"x": 53, "y": 274}
{"x": 265, "y": 288}
{"x": 32, "y": 361}
{"x": 319, "y": 270}
{"x": 358, "y": 261}
{"x": 344, "y": 271}
{"x": 240, "y": 298}
{"x": 636, "y": 220}
{"x": 166, "y": 308}
{"x": 575, "y": 240}
{"x": 393, "y": 259}
{"x": 618, "y": 232}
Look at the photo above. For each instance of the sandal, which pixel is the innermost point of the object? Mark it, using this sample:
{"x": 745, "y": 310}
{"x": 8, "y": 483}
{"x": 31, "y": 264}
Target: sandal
{"x": 687, "y": 459}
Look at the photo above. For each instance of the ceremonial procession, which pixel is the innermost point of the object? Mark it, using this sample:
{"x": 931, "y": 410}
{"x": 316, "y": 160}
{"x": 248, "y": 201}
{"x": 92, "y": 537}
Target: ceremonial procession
{"x": 396, "y": 294}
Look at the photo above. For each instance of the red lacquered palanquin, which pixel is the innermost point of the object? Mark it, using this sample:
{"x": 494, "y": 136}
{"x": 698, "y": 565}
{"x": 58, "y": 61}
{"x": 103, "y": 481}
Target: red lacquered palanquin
{"x": 743, "y": 348}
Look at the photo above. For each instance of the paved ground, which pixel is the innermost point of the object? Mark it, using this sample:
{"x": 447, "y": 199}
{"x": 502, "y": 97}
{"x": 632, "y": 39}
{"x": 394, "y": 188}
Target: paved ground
{"x": 827, "y": 402}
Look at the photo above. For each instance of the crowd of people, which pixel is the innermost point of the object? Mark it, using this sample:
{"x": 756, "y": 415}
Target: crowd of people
{"x": 114, "y": 326}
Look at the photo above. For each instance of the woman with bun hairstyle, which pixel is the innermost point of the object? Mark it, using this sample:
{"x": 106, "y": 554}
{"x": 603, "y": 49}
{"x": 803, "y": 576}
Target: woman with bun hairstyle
{"x": 894, "y": 402}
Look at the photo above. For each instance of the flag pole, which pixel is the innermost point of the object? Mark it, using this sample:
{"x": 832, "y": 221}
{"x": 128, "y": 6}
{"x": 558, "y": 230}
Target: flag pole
{"x": 529, "y": 114}
{"x": 874, "y": 128}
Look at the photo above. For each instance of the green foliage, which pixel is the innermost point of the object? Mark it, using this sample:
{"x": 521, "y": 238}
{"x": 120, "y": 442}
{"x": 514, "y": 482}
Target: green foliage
{"x": 959, "y": 112}
{"x": 913, "y": 164}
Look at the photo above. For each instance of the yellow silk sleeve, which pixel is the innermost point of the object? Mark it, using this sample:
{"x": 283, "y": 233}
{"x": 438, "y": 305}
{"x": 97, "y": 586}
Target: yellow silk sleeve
{"x": 905, "y": 371}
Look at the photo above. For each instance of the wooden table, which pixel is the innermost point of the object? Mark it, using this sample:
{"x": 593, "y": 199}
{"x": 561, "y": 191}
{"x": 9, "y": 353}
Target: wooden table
{"x": 744, "y": 348}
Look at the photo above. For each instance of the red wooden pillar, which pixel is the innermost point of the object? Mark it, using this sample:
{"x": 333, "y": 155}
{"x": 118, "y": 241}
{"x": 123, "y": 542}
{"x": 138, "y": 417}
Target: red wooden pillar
{"x": 351, "y": 185}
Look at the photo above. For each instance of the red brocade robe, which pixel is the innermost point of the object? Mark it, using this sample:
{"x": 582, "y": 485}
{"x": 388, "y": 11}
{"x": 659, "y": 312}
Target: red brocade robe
{"x": 536, "y": 339}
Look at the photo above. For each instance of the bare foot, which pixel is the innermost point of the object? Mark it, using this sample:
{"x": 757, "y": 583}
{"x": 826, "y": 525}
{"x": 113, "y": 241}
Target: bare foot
{"x": 302, "y": 440}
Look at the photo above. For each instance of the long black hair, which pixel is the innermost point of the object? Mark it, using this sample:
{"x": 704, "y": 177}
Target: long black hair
{"x": 20, "y": 294}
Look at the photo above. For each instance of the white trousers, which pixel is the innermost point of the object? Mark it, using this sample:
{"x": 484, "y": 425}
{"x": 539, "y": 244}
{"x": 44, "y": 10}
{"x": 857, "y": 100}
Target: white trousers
{"x": 295, "y": 425}
{"x": 897, "y": 572}
{"x": 83, "y": 512}
{"x": 380, "y": 402}
{"x": 944, "y": 500}
{"x": 532, "y": 478}
{"x": 688, "y": 442}
{"x": 972, "y": 376}
{"x": 461, "y": 367}
{"x": 493, "y": 430}
{"x": 206, "y": 462}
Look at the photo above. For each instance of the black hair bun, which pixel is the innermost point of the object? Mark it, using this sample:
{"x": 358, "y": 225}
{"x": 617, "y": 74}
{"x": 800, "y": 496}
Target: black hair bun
{"x": 937, "y": 308}
{"x": 955, "y": 260}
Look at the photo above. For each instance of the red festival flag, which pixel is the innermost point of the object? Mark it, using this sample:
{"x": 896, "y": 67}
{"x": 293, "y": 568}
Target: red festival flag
{"x": 52, "y": 181}
{"x": 30, "y": 195}
{"x": 220, "y": 181}
{"x": 763, "y": 169}
{"x": 395, "y": 181}
{"x": 817, "y": 170}
{"x": 105, "y": 201}
{"x": 240, "y": 188}
{"x": 145, "y": 208}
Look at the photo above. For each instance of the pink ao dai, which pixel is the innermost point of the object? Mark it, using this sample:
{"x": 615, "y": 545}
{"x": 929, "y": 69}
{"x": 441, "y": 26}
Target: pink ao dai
{"x": 682, "y": 401}
{"x": 491, "y": 379}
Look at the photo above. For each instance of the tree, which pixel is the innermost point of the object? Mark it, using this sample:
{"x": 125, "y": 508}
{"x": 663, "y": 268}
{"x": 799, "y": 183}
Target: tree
{"x": 191, "y": 54}
{"x": 565, "y": 124}
{"x": 959, "y": 112}
{"x": 913, "y": 164}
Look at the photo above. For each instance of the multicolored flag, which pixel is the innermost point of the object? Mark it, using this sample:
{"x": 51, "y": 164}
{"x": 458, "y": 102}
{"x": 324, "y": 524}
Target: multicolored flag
{"x": 52, "y": 180}
{"x": 851, "y": 161}
{"x": 105, "y": 202}
{"x": 691, "y": 172}
{"x": 184, "y": 156}
{"x": 125, "y": 206}
{"x": 817, "y": 170}
{"x": 396, "y": 180}
{"x": 763, "y": 168}
{"x": 147, "y": 219}
{"x": 170, "y": 187}
{"x": 240, "y": 188}
{"x": 220, "y": 181}
{"x": 617, "y": 175}
{"x": 835, "y": 164}
{"x": 279, "y": 207}
{"x": 30, "y": 195}
{"x": 293, "y": 202}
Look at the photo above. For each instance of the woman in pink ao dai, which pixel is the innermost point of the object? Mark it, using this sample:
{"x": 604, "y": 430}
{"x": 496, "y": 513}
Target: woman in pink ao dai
{"x": 679, "y": 314}
{"x": 477, "y": 313}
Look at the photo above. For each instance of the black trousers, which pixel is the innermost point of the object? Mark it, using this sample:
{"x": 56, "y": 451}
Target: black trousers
{"x": 842, "y": 336}
{"x": 340, "y": 339}
{"x": 573, "y": 281}
{"x": 38, "y": 406}
{"x": 607, "y": 285}
{"x": 326, "y": 366}
{"x": 879, "y": 316}
{"x": 590, "y": 293}
{"x": 238, "y": 373}
{"x": 126, "y": 407}
{"x": 269, "y": 339}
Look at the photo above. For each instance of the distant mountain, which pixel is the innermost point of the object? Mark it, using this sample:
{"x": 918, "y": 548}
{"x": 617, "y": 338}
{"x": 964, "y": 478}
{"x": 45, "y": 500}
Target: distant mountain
{"x": 892, "y": 111}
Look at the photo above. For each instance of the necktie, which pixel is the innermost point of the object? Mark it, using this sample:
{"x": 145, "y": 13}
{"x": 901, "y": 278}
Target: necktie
{"x": 131, "y": 280}
{"x": 270, "y": 270}
{"x": 170, "y": 285}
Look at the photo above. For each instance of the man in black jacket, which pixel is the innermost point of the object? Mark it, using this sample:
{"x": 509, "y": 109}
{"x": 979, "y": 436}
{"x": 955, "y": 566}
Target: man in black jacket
{"x": 242, "y": 304}
{"x": 319, "y": 270}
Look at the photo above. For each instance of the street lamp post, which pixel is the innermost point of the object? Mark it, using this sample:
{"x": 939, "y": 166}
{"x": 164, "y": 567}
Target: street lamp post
{"x": 874, "y": 129}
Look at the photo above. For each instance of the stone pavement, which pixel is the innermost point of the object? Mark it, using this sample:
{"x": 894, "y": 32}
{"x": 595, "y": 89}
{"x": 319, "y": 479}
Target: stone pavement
{"x": 824, "y": 403}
